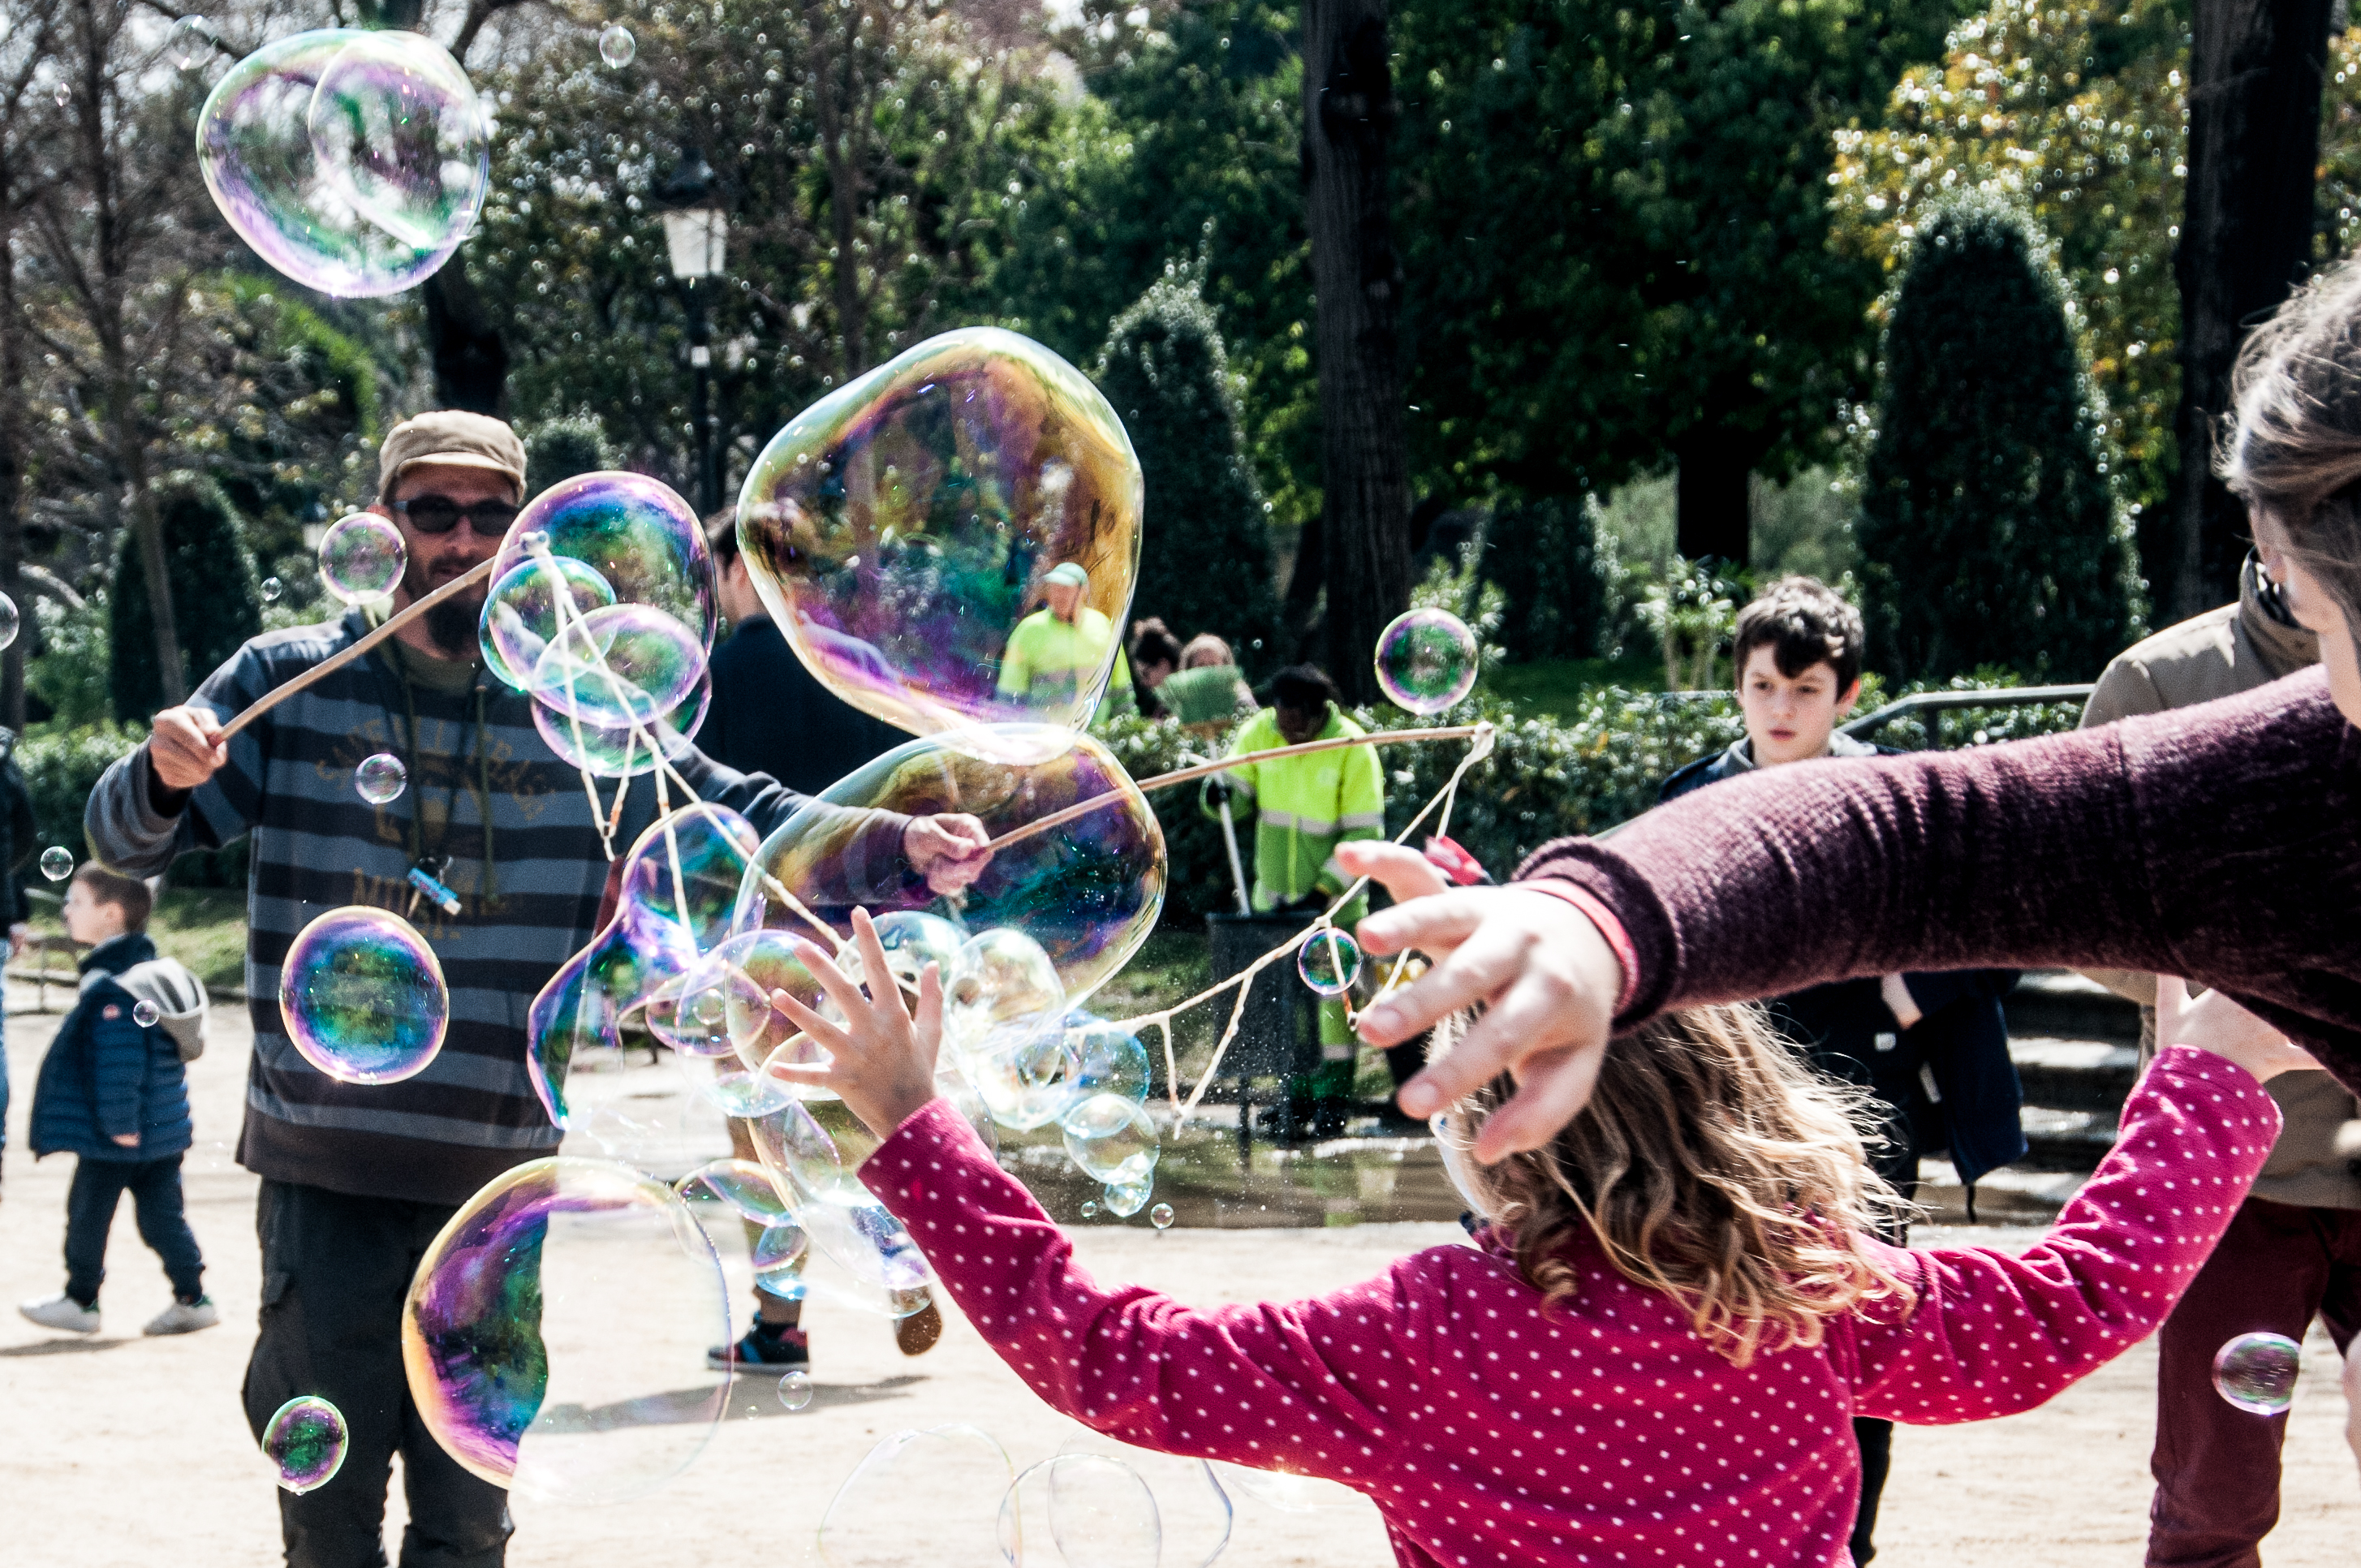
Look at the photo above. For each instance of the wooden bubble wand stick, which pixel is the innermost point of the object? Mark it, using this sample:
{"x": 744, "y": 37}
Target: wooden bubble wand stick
{"x": 280, "y": 693}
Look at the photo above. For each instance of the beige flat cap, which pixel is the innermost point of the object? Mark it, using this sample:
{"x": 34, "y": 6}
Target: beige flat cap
{"x": 454, "y": 439}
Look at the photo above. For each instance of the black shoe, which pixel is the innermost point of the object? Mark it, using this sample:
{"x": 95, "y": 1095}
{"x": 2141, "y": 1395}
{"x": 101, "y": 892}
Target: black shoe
{"x": 767, "y": 1346}
{"x": 1285, "y": 1122}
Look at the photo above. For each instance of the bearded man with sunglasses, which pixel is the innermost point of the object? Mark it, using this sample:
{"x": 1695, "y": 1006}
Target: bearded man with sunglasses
{"x": 493, "y": 852}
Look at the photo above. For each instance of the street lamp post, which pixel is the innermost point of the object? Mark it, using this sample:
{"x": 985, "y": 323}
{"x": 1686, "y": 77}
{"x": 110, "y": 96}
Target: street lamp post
{"x": 696, "y": 236}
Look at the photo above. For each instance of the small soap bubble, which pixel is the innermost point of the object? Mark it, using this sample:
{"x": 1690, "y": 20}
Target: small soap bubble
{"x": 57, "y": 862}
{"x": 145, "y": 1013}
{"x": 272, "y": 588}
{"x": 380, "y": 778}
{"x": 1097, "y": 1511}
{"x": 1161, "y": 1217}
{"x": 616, "y": 45}
{"x": 9, "y": 621}
{"x": 1090, "y": 1207}
{"x": 1129, "y": 1198}
{"x": 1112, "y": 1139}
{"x": 529, "y": 604}
{"x": 362, "y": 996}
{"x": 777, "y": 1255}
{"x": 542, "y": 1325}
{"x": 305, "y": 1442}
{"x": 795, "y": 1388}
{"x": 740, "y": 1184}
{"x": 907, "y": 533}
{"x": 2257, "y": 1372}
{"x": 1329, "y": 963}
{"x": 189, "y": 44}
{"x": 1001, "y": 985}
{"x": 361, "y": 557}
{"x": 1426, "y": 660}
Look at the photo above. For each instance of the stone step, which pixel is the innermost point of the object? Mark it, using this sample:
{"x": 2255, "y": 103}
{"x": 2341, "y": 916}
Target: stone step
{"x": 2059, "y": 1003}
{"x": 2074, "y": 1074}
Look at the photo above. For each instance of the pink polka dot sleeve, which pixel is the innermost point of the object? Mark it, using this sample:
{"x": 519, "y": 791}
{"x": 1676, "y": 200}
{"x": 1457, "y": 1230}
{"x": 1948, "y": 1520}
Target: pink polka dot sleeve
{"x": 1304, "y": 1387}
{"x": 1993, "y": 1334}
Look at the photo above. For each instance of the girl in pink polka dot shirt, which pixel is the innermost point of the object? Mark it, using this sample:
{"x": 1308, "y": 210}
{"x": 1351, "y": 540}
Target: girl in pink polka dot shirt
{"x": 1654, "y": 1352}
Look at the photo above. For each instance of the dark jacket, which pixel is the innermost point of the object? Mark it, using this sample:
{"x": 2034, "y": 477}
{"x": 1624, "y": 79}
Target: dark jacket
{"x": 771, "y": 714}
{"x": 20, "y": 837}
{"x": 1959, "y": 1046}
{"x": 106, "y": 1075}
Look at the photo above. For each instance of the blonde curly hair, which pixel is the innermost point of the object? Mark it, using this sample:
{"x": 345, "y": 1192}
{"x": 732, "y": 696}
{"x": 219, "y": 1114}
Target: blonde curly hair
{"x": 1711, "y": 1164}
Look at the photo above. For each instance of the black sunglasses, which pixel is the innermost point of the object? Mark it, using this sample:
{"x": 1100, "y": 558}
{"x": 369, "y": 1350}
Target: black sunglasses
{"x": 440, "y": 514}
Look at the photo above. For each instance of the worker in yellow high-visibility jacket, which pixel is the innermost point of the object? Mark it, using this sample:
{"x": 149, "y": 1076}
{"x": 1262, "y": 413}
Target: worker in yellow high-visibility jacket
{"x": 1059, "y": 649}
{"x": 1303, "y": 808}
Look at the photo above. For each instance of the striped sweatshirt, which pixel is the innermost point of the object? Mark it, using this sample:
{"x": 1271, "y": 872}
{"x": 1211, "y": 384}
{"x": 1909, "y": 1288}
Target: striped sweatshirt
{"x": 528, "y": 877}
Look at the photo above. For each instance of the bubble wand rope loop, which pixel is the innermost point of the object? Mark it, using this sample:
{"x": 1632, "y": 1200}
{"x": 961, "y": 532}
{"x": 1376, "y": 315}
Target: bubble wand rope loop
{"x": 361, "y": 645}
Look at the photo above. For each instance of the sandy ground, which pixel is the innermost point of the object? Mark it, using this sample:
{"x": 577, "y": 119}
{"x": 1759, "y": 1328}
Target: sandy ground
{"x": 120, "y": 1450}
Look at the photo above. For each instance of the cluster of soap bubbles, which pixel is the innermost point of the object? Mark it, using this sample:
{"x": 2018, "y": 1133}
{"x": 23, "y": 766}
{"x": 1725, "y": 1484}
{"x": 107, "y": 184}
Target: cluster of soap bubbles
{"x": 362, "y": 996}
{"x": 353, "y": 162}
{"x": 902, "y": 529}
{"x": 2257, "y": 1372}
{"x": 305, "y": 1441}
{"x": 1426, "y": 660}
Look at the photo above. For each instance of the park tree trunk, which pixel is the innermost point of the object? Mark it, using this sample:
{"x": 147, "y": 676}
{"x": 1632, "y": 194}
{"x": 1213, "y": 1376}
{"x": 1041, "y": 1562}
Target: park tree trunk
{"x": 840, "y": 105}
{"x": 1365, "y": 525}
{"x": 1711, "y": 512}
{"x": 2246, "y": 239}
{"x": 470, "y": 360}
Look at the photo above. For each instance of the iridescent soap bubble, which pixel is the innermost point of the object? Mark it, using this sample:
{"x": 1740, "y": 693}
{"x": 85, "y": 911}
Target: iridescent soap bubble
{"x": 616, "y": 45}
{"x": 1329, "y": 961}
{"x": 189, "y": 43}
{"x": 1130, "y": 1197}
{"x": 545, "y": 1327}
{"x": 305, "y": 1441}
{"x": 1080, "y": 1509}
{"x": 732, "y": 1087}
{"x": 361, "y": 557}
{"x": 959, "y": 1472}
{"x": 145, "y": 1013}
{"x": 620, "y": 666}
{"x": 1028, "y": 1083}
{"x": 1003, "y": 988}
{"x": 777, "y": 1255}
{"x": 362, "y": 996}
{"x": 635, "y": 532}
{"x": 677, "y": 888}
{"x": 305, "y": 218}
{"x": 795, "y": 1389}
{"x": 57, "y": 862}
{"x": 380, "y": 778}
{"x": 272, "y": 588}
{"x": 901, "y": 529}
{"x": 1108, "y": 1058}
{"x": 2257, "y": 1372}
{"x": 1194, "y": 1514}
{"x": 528, "y": 604}
{"x": 1112, "y": 1139}
{"x": 1090, "y": 1209}
{"x": 622, "y": 751}
{"x": 741, "y": 1185}
{"x": 912, "y": 939}
{"x": 819, "y": 1146}
{"x": 1426, "y": 660}
{"x": 1161, "y": 1217}
{"x": 1085, "y": 893}
{"x": 396, "y": 127}
{"x": 9, "y": 620}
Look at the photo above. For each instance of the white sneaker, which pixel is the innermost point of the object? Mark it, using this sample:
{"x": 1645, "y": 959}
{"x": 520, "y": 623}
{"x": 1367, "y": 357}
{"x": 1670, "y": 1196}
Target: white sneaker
{"x": 62, "y": 1311}
{"x": 182, "y": 1317}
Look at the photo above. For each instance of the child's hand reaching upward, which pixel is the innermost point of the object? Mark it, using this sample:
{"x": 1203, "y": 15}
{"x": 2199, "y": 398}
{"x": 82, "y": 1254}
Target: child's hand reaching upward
{"x": 2215, "y": 1022}
{"x": 881, "y": 1058}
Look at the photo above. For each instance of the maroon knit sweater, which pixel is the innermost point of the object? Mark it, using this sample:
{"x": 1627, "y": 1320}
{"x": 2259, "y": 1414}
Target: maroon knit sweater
{"x": 2216, "y": 843}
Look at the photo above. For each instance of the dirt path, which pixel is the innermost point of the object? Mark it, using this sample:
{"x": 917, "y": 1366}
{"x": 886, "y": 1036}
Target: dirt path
{"x": 119, "y": 1450}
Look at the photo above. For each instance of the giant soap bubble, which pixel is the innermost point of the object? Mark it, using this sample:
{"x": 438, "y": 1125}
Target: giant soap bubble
{"x": 362, "y": 996}
{"x": 636, "y": 536}
{"x": 900, "y": 530}
{"x": 1087, "y": 892}
{"x": 625, "y": 750}
{"x": 959, "y": 1472}
{"x": 679, "y": 884}
{"x": 814, "y": 1149}
{"x": 546, "y": 1325}
{"x": 382, "y": 195}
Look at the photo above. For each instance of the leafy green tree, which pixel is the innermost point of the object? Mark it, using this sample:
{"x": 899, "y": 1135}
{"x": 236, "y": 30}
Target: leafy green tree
{"x": 556, "y": 450}
{"x": 210, "y": 582}
{"x": 1205, "y": 559}
{"x": 1614, "y": 226}
{"x": 1990, "y": 532}
{"x": 1543, "y": 556}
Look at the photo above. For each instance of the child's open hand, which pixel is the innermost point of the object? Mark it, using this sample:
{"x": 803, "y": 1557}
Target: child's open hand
{"x": 2215, "y": 1022}
{"x": 881, "y": 1059}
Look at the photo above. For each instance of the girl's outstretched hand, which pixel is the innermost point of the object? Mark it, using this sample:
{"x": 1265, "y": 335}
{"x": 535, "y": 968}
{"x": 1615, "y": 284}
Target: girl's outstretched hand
{"x": 881, "y": 1057}
{"x": 2215, "y": 1022}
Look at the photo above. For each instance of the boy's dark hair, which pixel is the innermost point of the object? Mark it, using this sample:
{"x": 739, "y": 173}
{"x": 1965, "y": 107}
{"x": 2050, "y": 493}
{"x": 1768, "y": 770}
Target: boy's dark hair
{"x": 1152, "y": 642}
{"x": 1804, "y": 623}
{"x": 1306, "y": 688}
{"x": 722, "y": 537}
{"x": 126, "y": 893}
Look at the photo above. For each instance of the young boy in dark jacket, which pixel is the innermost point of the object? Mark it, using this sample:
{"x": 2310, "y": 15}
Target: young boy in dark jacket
{"x": 1932, "y": 1048}
{"x": 113, "y": 1092}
